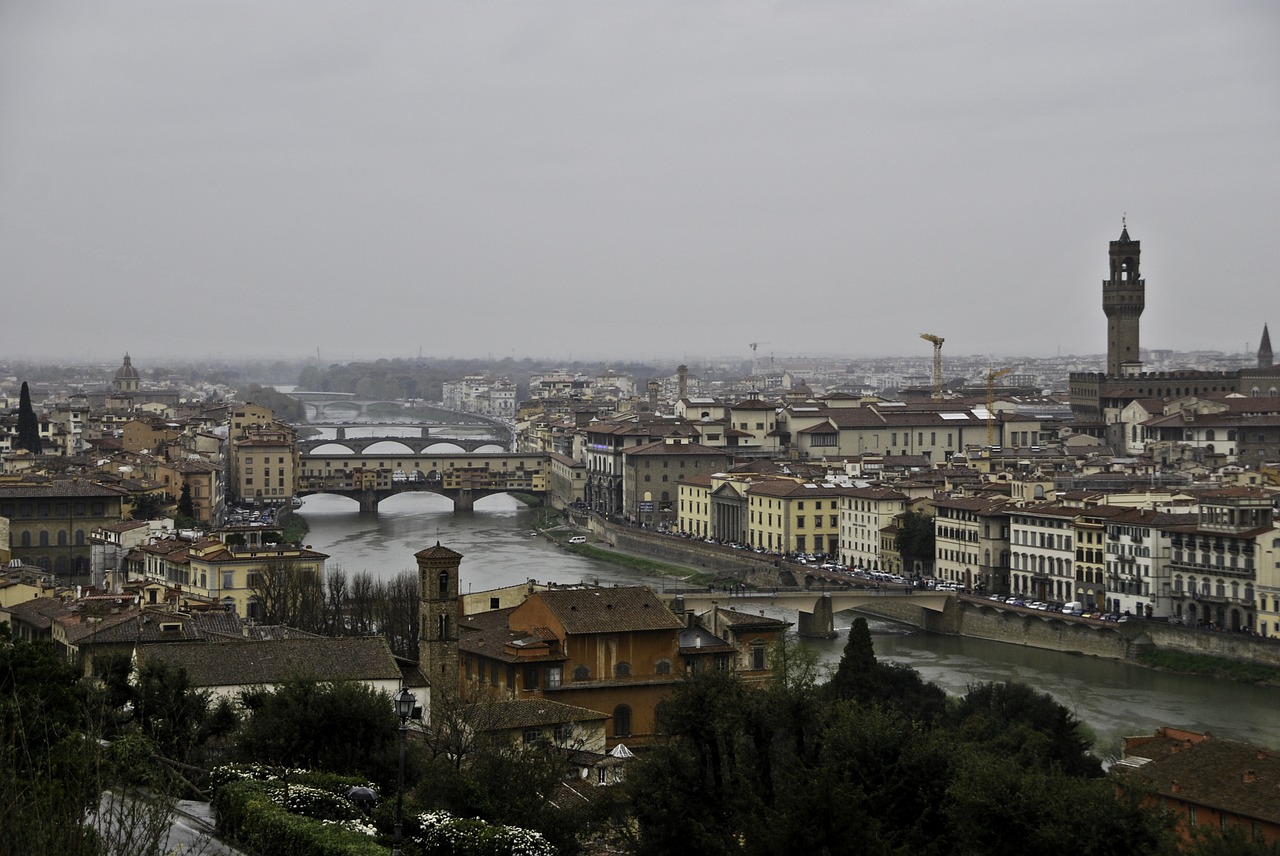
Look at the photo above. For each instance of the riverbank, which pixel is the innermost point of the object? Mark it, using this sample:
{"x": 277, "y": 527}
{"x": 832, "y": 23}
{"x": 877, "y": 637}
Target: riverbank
{"x": 1152, "y": 644}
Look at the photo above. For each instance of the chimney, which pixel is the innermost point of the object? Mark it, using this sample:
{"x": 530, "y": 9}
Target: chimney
{"x": 1249, "y": 776}
{"x": 1174, "y": 787}
{"x": 1262, "y": 754}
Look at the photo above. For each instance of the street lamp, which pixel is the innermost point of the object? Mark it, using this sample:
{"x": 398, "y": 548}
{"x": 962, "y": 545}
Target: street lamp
{"x": 405, "y": 703}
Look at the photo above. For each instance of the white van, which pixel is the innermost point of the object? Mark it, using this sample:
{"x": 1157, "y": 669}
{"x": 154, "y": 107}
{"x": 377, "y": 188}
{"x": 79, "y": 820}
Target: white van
{"x": 1073, "y": 608}
{"x": 578, "y": 539}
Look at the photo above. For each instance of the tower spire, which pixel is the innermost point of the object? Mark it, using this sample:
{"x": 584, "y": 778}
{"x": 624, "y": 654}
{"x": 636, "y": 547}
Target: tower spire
{"x": 1265, "y": 357}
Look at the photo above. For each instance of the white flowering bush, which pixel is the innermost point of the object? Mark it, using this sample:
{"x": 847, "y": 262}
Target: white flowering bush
{"x": 354, "y": 825}
{"x": 442, "y": 832}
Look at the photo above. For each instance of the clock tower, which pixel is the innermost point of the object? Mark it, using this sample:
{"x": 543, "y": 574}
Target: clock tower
{"x": 438, "y": 615}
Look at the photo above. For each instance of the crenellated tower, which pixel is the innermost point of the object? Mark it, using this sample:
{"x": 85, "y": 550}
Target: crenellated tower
{"x": 1123, "y": 299}
{"x": 438, "y": 615}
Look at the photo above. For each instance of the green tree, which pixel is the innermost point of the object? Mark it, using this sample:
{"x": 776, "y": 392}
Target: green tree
{"x": 1025, "y": 725}
{"x": 915, "y": 540}
{"x": 28, "y": 426}
{"x": 340, "y": 727}
{"x": 148, "y": 506}
{"x": 863, "y": 679}
{"x": 186, "y": 517}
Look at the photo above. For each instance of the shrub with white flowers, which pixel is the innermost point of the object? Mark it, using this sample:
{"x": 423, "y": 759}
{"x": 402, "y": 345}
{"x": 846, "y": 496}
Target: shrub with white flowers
{"x": 442, "y": 831}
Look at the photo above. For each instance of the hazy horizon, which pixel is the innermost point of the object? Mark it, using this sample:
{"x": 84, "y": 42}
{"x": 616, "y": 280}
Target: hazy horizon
{"x": 631, "y": 181}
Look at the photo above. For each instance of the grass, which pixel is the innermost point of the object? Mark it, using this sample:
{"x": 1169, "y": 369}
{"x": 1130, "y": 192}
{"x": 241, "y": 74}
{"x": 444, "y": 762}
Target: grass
{"x": 645, "y": 566}
{"x": 1206, "y": 664}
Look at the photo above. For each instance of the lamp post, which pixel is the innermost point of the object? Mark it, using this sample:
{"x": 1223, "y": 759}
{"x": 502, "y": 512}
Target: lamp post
{"x": 405, "y": 703}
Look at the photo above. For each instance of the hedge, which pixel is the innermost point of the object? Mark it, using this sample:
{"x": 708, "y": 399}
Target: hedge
{"x": 247, "y": 814}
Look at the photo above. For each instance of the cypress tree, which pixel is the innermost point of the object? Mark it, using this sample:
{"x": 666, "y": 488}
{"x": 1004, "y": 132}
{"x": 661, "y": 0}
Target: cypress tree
{"x": 28, "y": 425}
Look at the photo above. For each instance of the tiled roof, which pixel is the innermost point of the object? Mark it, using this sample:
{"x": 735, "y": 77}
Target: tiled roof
{"x": 609, "y": 610}
{"x": 437, "y": 552}
{"x": 534, "y": 712}
{"x": 248, "y": 663}
{"x": 1222, "y": 774}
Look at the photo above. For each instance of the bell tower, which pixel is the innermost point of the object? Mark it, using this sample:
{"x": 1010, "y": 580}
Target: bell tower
{"x": 438, "y": 615}
{"x": 1123, "y": 299}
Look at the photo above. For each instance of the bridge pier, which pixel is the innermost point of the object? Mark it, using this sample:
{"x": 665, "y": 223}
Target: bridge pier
{"x": 368, "y": 500}
{"x": 819, "y": 624}
{"x": 464, "y": 501}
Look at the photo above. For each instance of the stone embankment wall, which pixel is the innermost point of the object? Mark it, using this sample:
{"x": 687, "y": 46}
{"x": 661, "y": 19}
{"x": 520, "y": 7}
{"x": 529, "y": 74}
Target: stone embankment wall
{"x": 1044, "y": 630}
{"x": 963, "y": 618}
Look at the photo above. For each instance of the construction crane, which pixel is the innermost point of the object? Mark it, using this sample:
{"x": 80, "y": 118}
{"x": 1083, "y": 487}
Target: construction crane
{"x": 937, "y": 363}
{"x": 753, "y": 346}
{"x": 992, "y": 374}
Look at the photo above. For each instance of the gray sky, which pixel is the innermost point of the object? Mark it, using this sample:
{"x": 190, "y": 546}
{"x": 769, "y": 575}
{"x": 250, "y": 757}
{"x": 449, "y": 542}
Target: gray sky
{"x": 631, "y": 179}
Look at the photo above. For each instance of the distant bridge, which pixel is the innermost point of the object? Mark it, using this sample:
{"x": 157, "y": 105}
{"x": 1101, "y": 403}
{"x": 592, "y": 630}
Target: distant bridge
{"x": 384, "y": 447}
{"x": 370, "y": 478}
{"x": 816, "y": 608}
{"x": 343, "y": 405}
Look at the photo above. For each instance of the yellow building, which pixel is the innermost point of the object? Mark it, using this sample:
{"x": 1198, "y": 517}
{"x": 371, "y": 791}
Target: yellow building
{"x": 694, "y": 507}
{"x": 231, "y": 573}
{"x": 793, "y": 517}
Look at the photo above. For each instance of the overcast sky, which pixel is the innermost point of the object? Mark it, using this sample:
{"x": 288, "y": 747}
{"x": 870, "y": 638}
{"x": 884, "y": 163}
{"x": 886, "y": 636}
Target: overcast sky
{"x": 631, "y": 179}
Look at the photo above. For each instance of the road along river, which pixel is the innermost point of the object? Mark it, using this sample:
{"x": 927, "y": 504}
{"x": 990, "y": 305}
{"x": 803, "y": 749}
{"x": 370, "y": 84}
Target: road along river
{"x": 499, "y": 548}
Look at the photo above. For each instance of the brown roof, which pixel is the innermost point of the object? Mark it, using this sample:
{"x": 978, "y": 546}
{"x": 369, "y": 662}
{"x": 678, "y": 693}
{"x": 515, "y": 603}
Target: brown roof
{"x": 437, "y": 552}
{"x": 1221, "y": 774}
{"x": 533, "y": 712}
{"x": 249, "y": 663}
{"x": 609, "y": 610}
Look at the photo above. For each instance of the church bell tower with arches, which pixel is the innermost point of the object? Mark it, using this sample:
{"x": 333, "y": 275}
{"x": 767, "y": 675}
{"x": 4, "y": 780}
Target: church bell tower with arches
{"x": 438, "y": 615}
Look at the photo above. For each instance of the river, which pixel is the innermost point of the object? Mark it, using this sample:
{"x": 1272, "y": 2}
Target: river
{"x": 1112, "y": 698}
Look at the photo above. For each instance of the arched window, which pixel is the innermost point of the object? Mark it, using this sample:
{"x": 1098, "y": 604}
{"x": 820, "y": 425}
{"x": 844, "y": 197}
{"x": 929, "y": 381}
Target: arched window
{"x": 622, "y": 721}
{"x": 582, "y": 673}
{"x": 622, "y": 670}
{"x": 26, "y": 539}
{"x": 62, "y": 538}
{"x": 442, "y": 583}
{"x": 1209, "y": 434}
{"x": 79, "y": 537}
{"x": 663, "y": 667}
{"x": 44, "y": 539}
{"x": 61, "y": 565}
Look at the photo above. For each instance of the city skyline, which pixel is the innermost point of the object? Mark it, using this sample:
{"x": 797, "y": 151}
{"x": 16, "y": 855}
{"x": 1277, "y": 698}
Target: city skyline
{"x": 631, "y": 181}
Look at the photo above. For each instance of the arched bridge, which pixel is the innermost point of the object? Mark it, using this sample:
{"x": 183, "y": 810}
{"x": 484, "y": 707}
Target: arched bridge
{"x": 326, "y": 405}
{"x": 397, "y": 446}
{"x": 817, "y": 609}
{"x": 464, "y": 478}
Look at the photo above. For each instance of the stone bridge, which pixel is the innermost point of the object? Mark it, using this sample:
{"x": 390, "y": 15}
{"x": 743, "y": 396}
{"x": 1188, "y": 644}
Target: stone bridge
{"x": 398, "y": 446}
{"x": 324, "y": 405}
{"x": 370, "y": 478}
{"x": 816, "y": 609}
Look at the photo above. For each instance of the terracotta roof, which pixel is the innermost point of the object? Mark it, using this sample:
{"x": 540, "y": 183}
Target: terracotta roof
{"x": 534, "y": 712}
{"x": 609, "y": 610}
{"x": 437, "y": 552}
{"x": 1222, "y": 774}
{"x": 249, "y": 663}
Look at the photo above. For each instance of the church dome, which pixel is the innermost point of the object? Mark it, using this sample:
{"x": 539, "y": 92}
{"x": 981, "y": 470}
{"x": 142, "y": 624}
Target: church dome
{"x": 127, "y": 371}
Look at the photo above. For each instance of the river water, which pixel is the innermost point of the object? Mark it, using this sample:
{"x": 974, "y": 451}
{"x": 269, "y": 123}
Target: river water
{"x": 499, "y": 548}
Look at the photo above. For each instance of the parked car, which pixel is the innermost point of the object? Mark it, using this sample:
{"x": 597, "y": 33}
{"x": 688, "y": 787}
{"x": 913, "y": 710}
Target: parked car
{"x": 578, "y": 539}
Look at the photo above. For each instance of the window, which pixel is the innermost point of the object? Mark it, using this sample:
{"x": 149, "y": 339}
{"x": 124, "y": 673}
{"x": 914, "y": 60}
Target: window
{"x": 757, "y": 657}
{"x": 554, "y": 676}
{"x": 622, "y": 670}
{"x": 663, "y": 667}
{"x": 531, "y": 677}
{"x": 622, "y": 721}
{"x": 582, "y": 673}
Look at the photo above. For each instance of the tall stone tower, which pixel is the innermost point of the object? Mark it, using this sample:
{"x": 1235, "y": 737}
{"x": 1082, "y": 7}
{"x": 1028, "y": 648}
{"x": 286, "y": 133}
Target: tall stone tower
{"x": 438, "y": 615}
{"x": 1123, "y": 299}
{"x": 1265, "y": 357}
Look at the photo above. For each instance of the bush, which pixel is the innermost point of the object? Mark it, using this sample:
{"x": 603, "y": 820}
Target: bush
{"x": 248, "y": 814}
{"x": 441, "y": 833}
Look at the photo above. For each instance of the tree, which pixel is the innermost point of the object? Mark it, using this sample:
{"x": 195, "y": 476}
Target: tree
{"x": 863, "y": 679}
{"x": 341, "y": 727}
{"x": 186, "y": 509}
{"x": 915, "y": 540}
{"x": 148, "y": 506}
{"x": 28, "y": 425}
{"x": 1025, "y": 725}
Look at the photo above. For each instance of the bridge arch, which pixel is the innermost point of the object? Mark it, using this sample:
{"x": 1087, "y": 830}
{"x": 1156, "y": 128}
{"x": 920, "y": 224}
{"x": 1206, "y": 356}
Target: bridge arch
{"x": 444, "y": 449}
{"x": 388, "y": 447}
{"x": 333, "y": 449}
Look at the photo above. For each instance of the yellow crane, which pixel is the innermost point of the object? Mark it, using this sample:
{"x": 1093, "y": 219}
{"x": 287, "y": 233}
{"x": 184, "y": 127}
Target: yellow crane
{"x": 992, "y": 374}
{"x": 937, "y": 363}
